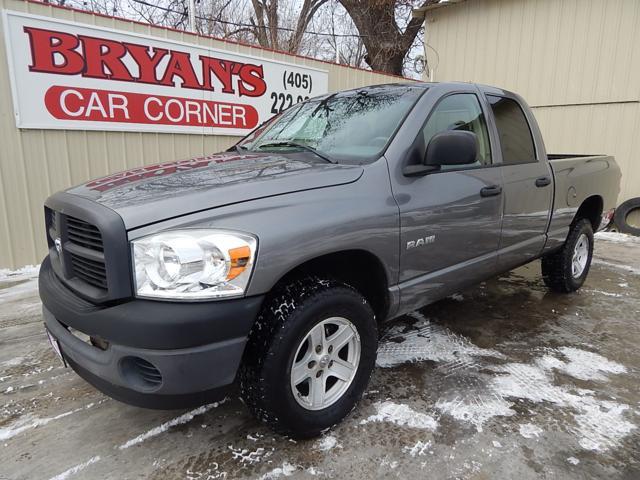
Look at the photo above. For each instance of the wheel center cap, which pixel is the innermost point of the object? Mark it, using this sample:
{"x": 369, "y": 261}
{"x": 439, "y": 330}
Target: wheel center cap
{"x": 324, "y": 361}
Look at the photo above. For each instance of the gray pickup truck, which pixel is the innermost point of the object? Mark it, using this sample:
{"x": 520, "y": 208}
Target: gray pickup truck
{"x": 275, "y": 262}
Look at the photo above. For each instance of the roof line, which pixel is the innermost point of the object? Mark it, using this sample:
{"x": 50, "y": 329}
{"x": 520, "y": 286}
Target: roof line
{"x": 211, "y": 37}
{"x": 421, "y": 12}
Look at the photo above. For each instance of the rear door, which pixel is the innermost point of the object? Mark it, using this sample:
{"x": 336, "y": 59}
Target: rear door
{"x": 527, "y": 182}
{"x": 450, "y": 219}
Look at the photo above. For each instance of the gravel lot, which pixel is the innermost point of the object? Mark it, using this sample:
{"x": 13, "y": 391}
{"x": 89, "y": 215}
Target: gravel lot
{"x": 505, "y": 380}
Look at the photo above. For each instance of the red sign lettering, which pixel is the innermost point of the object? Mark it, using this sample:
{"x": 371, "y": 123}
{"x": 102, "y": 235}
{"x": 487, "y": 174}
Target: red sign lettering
{"x": 68, "y": 54}
{"x": 70, "y": 103}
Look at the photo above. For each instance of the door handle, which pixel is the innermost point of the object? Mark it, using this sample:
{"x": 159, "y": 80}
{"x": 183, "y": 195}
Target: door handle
{"x": 543, "y": 181}
{"x": 491, "y": 191}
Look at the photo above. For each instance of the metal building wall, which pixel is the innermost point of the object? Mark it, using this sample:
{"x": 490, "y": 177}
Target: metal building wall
{"x": 576, "y": 62}
{"x": 36, "y": 163}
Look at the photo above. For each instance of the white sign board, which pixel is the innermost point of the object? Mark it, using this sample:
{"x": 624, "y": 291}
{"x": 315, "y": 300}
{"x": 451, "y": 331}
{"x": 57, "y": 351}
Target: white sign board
{"x": 74, "y": 76}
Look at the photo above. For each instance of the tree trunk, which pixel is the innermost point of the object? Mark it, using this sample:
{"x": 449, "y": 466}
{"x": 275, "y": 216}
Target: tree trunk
{"x": 267, "y": 21}
{"x": 386, "y": 45}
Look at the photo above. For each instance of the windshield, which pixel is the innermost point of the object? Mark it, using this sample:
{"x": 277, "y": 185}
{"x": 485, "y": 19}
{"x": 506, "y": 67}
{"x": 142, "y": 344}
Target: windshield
{"x": 352, "y": 126}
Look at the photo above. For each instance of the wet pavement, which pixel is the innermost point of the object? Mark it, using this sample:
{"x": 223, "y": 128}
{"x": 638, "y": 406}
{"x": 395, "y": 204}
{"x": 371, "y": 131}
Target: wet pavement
{"x": 505, "y": 380}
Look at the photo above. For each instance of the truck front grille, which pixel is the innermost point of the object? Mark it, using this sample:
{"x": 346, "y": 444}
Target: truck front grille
{"x": 87, "y": 261}
{"x": 84, "y": 234}
{"x": 88, "y": 248}
{"x": 91, "y": 271}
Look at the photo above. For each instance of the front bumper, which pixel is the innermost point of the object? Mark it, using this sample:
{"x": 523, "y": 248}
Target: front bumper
{"x": 153, "y": 354}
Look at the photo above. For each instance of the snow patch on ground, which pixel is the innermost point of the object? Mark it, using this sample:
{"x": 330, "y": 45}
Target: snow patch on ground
{"x": 529, "y": 430}
{"x": 419, "y": 449}
{"x": 327, "y": 443}
{"x": 246, "y": 456}
{"x": 13, "y": 362}
{"x": 25, "y": 287}
{"x": 573, "y": 460}
{"x": 29, "y": 422}
{"x": 76, "y": 469}
{"x": 584, "y": 365}
{"x": 626, "y": 268}
{"x": 182, "y": 419}
{"x": 392, "y": 464}
{"x": 606, "y": 294}
{"x": 28, "y": 271}
{"x": 402, "y": 415}
{"x": 476, "y": 410}
{"x": 616, "y": 237}
{"x": 600, "y": 424}
{"x": 286, "y": 470}
{"x": 425, "y": 340}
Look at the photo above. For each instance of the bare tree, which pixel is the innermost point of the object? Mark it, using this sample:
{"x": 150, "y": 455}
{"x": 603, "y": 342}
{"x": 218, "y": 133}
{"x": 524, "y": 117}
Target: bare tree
{"x": 267, "y": 24}
{"x": 379, "y": 34}
{"x": 386, "y": 42}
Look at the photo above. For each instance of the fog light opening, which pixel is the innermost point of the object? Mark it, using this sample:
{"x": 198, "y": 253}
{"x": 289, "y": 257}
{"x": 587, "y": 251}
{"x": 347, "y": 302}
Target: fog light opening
{"x": 140, "y": 374}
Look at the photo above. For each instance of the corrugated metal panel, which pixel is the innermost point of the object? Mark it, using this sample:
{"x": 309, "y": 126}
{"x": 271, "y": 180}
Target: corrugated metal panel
{"x": 574, "y": 61}
{"x": 551, "y": 51}
{"x": 35, "y": 163}
{"x": 605, "y": 128}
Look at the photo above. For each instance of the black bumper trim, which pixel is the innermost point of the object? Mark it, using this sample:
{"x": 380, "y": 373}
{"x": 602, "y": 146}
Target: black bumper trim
{"x": 182, "y": 371}
{"x": 149, "y": 324}
{"x": 146, "y": 400}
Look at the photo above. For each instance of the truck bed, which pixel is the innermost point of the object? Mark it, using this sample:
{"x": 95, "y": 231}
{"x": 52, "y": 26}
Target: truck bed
{"x": 576, "y": 178}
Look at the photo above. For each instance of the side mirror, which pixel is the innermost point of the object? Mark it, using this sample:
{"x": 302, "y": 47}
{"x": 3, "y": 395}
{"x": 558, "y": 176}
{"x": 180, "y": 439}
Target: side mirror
{"x": 451, "y": 147}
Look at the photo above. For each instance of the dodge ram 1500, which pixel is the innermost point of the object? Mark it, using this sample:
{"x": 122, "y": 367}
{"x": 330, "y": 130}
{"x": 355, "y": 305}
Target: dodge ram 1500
{"x": 273, "y": 263}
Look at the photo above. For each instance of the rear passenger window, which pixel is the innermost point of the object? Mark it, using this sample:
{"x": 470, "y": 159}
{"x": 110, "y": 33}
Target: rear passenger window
{"x": 516, "y": 140}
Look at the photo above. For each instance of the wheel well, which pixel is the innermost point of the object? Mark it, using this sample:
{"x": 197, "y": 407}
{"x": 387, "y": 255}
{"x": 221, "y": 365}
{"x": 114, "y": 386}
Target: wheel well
{"x": 591, "y": 209}
{"x": 358, "y": 268}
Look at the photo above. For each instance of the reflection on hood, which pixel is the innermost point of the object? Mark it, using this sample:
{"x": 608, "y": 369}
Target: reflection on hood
{"x": 166, "y": 179}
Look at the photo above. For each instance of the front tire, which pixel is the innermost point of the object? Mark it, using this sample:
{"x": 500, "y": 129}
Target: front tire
{"x": 566, "y": 270}
{"x": 309, "y": 357}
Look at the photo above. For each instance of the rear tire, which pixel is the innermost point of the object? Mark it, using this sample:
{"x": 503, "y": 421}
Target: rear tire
{"x": 281, "y": 346}
{"x": 565, "y": 270}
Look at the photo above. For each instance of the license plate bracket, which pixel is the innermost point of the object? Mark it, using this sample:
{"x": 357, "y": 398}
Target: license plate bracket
{"x": 55, "y": 345}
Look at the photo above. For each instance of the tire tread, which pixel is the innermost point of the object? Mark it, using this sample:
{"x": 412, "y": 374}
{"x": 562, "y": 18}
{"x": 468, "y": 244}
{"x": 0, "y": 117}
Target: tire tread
{"x": 266, "y": 337}
{"x": 556, "y": 266}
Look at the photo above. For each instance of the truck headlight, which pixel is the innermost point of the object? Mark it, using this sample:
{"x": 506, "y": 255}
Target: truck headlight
{"x": 193, "y": 264}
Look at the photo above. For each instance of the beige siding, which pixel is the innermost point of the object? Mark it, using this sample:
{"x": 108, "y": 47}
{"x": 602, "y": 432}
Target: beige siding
{"x": 576, "y": 62}
{"x": 36, "y": 163}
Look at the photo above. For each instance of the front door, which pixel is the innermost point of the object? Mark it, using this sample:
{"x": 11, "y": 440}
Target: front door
{"x": 451, "y": 219}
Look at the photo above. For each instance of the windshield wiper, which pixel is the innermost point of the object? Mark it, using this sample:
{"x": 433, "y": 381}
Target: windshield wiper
{"x": 239, "y": 148}
{"x": 287, "y": 143}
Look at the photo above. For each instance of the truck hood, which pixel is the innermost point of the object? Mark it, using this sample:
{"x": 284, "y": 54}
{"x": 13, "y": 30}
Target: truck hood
{"x": 150, "y": 194}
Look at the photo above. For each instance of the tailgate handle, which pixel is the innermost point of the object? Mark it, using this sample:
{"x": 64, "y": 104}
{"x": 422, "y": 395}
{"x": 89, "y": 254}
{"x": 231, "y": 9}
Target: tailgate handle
{"x": 543, "y": 181}
{"x": 491, "y": 191}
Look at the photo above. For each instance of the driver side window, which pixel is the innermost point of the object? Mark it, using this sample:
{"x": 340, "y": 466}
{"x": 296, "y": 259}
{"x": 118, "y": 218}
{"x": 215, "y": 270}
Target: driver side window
{"x": 460, "y": 111}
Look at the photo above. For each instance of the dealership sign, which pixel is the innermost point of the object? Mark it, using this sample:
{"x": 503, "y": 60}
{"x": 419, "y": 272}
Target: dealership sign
{"x": 73, "y": 76}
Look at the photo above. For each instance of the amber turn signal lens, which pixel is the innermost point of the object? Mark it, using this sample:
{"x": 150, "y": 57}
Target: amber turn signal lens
{"x": 239, "y": 259}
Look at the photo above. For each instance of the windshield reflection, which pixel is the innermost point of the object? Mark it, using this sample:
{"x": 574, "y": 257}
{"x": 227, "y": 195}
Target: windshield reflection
{"x": 353, "y": 126}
